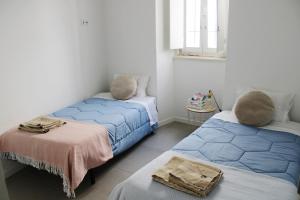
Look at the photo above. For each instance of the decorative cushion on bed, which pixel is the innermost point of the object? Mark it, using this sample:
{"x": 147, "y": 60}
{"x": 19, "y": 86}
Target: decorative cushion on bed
{"x": 142, "y": 83}
{"x": 282, "y": 101}
{"x": 255, "y": 108}
{"x": 123, "y": 87}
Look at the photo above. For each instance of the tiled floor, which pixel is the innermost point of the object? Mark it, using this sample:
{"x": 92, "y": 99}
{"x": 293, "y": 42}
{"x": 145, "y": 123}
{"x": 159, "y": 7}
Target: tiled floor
{"x": 31, "y": 184}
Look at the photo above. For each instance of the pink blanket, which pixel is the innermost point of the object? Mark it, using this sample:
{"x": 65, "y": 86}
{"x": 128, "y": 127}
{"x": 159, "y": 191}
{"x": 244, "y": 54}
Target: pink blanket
{"x": 68, "y": 151}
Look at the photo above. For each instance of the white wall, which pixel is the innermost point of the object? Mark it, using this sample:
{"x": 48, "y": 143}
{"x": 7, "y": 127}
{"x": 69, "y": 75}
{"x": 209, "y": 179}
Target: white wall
{"x": 44, "y": 61}
{"x": 92, "y": 48}
{"x": 178, "y": 79}
{"x": 191, "y": 76}
{"x": 130, "y": 38}
{"x": 164, "y": 65}
{"x": 137, "y": 41}
{"x": 264, "y": 47}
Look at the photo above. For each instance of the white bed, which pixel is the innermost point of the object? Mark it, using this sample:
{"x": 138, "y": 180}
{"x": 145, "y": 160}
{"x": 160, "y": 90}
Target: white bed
{"x": 237, "y": 183}
{"x": 148, "y": 102}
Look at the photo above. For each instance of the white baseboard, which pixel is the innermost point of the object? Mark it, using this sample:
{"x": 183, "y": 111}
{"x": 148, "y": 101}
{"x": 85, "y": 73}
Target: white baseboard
{"x": 165, "y": 121}
{"x": 178, "y": 119}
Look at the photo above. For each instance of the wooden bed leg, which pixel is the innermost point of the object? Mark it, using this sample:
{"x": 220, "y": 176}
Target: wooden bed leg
{"x": 92, "y": 176}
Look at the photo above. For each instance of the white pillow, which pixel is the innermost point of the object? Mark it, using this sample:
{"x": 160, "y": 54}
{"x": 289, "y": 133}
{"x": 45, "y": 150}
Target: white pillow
{"x": 142, "y": 81}
{"x": 283, "y": 102}
{"x": 142, "y": 84}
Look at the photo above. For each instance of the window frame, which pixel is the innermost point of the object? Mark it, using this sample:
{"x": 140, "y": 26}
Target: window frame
{"x": 178, "y": 40}
{"x": 203, "y": 50}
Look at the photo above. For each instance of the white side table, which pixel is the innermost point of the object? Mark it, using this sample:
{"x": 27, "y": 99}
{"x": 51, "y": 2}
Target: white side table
{"x": 199, "y": 116}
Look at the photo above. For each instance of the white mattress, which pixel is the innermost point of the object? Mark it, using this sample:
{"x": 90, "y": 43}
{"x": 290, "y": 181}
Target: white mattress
{"x": 148, "y": 102}
{"x": 291, "y": 127}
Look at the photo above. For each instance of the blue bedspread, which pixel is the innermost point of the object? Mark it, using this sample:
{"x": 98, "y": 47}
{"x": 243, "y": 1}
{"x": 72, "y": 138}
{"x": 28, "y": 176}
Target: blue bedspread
{"x": 127, "y": 123}
{"x": 263, "y": 151}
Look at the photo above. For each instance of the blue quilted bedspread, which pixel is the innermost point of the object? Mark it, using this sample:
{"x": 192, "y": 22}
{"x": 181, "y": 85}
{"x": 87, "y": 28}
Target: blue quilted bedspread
{"x": 127, "y": 123}
{"x": 263, "y": 151}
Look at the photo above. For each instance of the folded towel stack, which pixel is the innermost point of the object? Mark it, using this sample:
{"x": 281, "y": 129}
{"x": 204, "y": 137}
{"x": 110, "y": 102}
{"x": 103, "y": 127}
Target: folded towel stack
{"x": 41, "y": 125}
{"x": 188, "y": 176}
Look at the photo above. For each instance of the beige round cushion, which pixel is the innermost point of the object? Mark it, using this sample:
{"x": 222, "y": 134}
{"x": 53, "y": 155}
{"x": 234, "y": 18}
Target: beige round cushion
{"x": 123, "y": 87}
{"x": 254, "y": 108}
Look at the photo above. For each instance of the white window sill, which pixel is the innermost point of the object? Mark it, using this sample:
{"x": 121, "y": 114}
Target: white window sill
{"x": 200, "y": 58}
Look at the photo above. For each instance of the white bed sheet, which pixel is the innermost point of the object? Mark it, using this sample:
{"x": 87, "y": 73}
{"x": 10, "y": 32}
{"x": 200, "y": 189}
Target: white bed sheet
{"x": 237, "y": 184}
{"x": 148, "y": 102}
{"x": 290, "y": 126}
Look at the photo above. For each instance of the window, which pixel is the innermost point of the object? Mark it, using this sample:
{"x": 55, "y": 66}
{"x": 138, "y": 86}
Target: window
{"x": 199, "y": 27}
